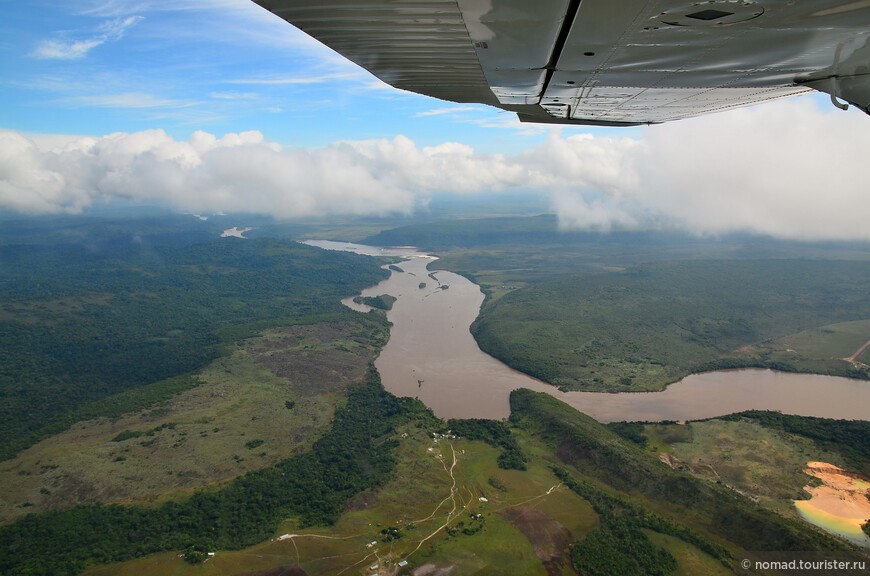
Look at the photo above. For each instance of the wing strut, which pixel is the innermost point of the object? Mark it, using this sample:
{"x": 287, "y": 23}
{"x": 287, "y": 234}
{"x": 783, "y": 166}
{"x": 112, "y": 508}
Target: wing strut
{"x": 559, "y": 44}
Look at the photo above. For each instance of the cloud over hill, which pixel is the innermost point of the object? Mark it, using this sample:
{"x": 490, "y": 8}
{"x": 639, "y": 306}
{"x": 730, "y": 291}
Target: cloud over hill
{"x": 786, "y": 170}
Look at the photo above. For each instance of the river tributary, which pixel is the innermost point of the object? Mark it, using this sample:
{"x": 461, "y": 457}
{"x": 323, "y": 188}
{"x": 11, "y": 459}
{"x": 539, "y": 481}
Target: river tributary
{"x": 431, "y": 355}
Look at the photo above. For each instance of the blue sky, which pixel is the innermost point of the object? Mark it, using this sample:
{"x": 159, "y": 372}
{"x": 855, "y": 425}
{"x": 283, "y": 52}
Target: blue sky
{"x": 93, "y": 68}
{"x": 217, "y": 105}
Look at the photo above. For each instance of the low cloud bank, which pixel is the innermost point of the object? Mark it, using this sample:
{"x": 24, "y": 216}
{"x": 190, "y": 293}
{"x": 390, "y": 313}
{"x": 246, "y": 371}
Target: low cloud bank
{"x": 782, "y": 169}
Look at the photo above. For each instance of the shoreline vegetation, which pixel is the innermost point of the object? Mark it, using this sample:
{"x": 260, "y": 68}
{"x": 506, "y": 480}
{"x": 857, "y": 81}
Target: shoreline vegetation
{"x": 637, "y": 310}
{"x": 652, "y": 325}
{"x": 381, "y": 302}
{"x": 827, "y": 350}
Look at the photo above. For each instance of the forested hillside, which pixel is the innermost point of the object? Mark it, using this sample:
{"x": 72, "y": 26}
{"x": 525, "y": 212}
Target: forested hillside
{"x": 649, "y": 325}
{"x": 599, "y": 455}
{"x": 81, "y": 321}
{"x": 354, "y": 455}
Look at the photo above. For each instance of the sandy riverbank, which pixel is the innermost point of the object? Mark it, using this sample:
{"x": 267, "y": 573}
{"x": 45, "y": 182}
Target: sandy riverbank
{"x": 235, "y": 232}
{"x": 840, "y": 505}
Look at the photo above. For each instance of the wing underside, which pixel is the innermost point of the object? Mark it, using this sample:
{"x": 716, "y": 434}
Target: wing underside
{"x": 599, "y": 61}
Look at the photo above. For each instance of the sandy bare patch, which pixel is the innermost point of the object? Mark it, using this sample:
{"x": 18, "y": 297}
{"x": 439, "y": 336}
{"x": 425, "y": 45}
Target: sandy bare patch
{"x": 433, "y": 570}
{"x": 841, "y": 504}
{"x": 235, "y": 232}
{"x": 844, "y": 494}
{"x": 313, "y": 358}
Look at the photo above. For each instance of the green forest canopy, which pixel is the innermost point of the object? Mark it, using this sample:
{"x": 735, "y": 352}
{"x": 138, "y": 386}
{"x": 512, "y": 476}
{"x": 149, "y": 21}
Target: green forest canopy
{"x": 652, "y": 324}
{"x": 82, "y": 322}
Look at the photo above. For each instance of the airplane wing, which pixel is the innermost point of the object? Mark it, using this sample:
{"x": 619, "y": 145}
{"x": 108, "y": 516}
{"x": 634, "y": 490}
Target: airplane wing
{"x": 601, "y": 62}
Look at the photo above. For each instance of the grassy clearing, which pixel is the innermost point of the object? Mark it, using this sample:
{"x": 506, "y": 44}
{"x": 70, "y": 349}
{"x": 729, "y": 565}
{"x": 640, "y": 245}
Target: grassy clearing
{"x": 564, "y": 506}
{"x": 528, "y": 518}
{"x": 695, "y": 510}
{"x": 832, "y": 341}
{"x": 354, "y": 455}
{"x": 766, "y": 465}
{"x": 235, "y": 421}
{"x": 757, "y": 461}
{"x": 661, "y": 437}
{"x": 823, "y": 349}
{"x": 418, "y": 501}
{"x": 85, "y": 321}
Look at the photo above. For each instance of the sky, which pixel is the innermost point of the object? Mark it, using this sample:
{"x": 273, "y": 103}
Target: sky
{"x": 217, "y": 105}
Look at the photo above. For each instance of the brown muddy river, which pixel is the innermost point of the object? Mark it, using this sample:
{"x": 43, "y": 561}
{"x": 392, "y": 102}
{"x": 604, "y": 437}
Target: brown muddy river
{"x": 431, "y": 355}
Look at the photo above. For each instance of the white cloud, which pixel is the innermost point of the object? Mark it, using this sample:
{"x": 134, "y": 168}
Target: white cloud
{"x": 503, "y": 120}
{"x": 576, "y": 212}
{"x": 241, "y": 173}
{"x": 62, "y": 49}
{"x": 238, "y": 22}
{"x": 113, "y": 30}
{"x": 586, "y": 163}
{"x": 448, "y": 167}
{"x": 448, "y": 110}
{"x": 294, "y": 80}
{"x": 109, "y": 8}
{"x": 234, "y": 95}
{"x": 133, "y": 100}
{"x": 236, "y": 173}
{"x": 27, "y": 182}
{"x": 785, "y": 169}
